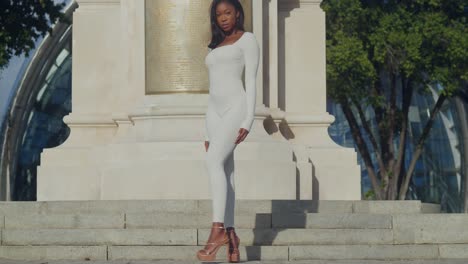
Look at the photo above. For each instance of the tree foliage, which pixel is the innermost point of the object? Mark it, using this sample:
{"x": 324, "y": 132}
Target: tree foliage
{"x": 24, "y": 21}
{"x": 379, "y": 53}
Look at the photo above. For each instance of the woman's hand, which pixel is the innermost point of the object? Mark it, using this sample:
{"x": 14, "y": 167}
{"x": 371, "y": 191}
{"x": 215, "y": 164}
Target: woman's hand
{"x": 207, "y": 144}
{"x": 242, "y": 135}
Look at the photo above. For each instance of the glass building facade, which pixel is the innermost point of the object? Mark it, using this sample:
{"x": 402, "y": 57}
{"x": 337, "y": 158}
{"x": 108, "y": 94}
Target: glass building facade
{"x": 440, "y": 173}
{"x": 44, "y": 125}
{"x": 42, "y": 97}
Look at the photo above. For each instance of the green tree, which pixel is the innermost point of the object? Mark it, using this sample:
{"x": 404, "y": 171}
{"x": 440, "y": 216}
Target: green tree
{"x": 381, "y": 52}
{"x": 24, "y": 21}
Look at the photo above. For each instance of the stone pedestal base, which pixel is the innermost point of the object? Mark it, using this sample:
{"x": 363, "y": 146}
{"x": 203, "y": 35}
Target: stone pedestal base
{"x": 163, "y": 170}
{"x": 159, "y": 153}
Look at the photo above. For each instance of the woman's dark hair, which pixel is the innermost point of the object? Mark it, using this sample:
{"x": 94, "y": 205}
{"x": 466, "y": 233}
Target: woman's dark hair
{"x": 217, "y": 34}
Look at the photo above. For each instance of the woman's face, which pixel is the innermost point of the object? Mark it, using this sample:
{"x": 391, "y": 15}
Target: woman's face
{"x": 226, "y": 16}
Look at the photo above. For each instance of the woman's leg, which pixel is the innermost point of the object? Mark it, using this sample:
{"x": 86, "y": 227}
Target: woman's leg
{"x": 223, "y": 132}
{"x": 231, "y": 191}
{"x": 214, "y": 167}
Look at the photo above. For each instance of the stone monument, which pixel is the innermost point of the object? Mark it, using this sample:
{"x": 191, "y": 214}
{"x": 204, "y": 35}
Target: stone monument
{"x": 139, "y": 96}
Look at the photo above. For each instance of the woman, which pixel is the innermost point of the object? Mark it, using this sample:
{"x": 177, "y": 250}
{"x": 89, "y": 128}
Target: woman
{"x": 229, "y": 116}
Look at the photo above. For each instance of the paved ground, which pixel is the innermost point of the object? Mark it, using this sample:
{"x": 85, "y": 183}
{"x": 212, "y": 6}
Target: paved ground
{"x": 454, "y": 261}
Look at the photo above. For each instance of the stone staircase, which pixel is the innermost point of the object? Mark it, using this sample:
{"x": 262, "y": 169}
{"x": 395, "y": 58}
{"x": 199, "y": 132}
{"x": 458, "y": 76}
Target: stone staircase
{"x": 270, "y": 230}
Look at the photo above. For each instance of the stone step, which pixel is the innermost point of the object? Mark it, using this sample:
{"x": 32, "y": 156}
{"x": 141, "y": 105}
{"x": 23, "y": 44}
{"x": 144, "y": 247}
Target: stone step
{"x": 205, "y": 206}
{"x": 430, "y": 228}
{"x": 70, "y": 221}
{"x": 383, "y": 252}
{"x": 436, "y": 253}
{"x": 292, "y": 252}
{"x": 347, "y": 261}
{"x": 194, "y": 220}
{"x": 352, "y": 261}
{"x": 56, "y": 252}
{"x": 424, "y": 234}
{"x": 270, "y": 230}
{"x": 299, "y": 236}
{"x": 127, "y": 220}
{"x": 185, "y": 236}
{"x": 332, "y": 220}
{"x": 404, "y": 224}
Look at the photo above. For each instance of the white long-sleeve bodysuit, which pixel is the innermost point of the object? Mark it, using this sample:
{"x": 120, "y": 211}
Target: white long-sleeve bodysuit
{"x": 230, "y": 108}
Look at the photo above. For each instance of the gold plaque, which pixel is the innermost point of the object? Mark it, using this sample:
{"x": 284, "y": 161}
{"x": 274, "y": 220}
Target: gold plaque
{"x": 177, "y": 33}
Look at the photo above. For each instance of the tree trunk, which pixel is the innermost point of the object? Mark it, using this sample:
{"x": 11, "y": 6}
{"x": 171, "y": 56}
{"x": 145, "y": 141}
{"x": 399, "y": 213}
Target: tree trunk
{"x": 365, "y": 124}
{"x": 392, "y": 110}
{"x": 361, "y": 144}
{"x": 420, "y": 146}
{"x": 407, "y": 94}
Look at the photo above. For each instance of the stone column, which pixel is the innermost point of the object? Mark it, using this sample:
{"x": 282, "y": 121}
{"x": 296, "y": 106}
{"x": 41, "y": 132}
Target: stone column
{"x": 302, "y": 95}
{"x": 71, "y": 170}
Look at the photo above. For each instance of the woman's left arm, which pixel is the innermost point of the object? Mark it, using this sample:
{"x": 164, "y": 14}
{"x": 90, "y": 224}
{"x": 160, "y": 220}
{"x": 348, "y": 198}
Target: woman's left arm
{"x": 251, "y": 57}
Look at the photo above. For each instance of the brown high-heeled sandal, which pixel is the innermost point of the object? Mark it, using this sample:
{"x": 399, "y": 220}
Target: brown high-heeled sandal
{"x": 214, "y": 243}
{"x": 233, "y": 254}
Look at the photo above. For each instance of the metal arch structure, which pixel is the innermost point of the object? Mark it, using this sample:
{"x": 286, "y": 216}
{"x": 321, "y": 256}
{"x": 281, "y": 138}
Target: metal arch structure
{"x": 21, "y": 105}
{"x": 461, "y": 104}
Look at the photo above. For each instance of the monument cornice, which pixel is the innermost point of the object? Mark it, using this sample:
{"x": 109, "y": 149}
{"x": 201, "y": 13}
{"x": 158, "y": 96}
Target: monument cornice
{"x": 98, "y": 2}
{"x": 288, "y": 4}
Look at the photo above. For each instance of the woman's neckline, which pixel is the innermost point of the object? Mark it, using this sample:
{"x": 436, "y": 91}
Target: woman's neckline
{"x": 233, "y": 42}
